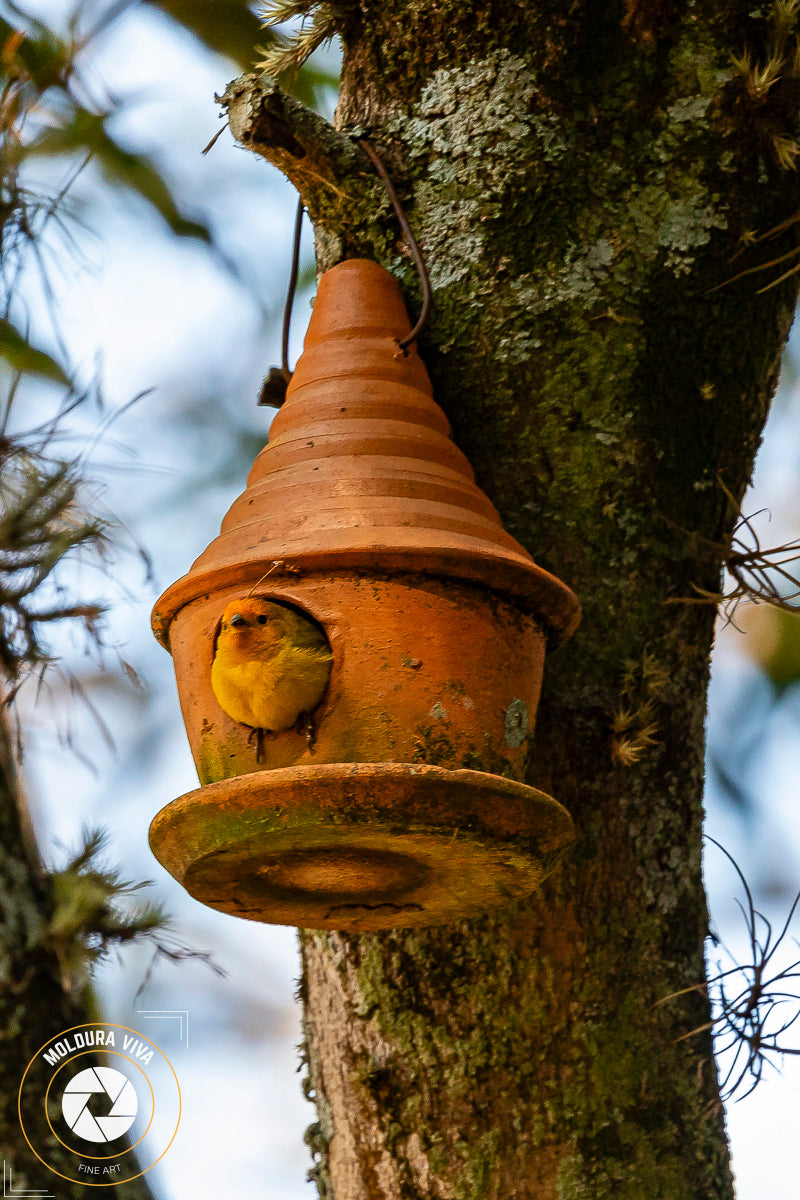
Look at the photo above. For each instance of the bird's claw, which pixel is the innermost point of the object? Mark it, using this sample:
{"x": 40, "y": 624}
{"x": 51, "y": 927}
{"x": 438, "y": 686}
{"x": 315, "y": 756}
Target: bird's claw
{"x": 259, "y": 735}
{"x": 305, "y": 724}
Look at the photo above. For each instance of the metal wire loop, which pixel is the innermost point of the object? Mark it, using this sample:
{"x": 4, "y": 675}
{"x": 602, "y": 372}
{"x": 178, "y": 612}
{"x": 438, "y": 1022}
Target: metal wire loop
{"x": 287, "y": 308}
{"x": 419, "y": 261}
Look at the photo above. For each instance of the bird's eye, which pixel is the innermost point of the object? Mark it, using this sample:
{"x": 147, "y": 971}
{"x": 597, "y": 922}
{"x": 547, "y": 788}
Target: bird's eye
{"x": 262, "y": 620}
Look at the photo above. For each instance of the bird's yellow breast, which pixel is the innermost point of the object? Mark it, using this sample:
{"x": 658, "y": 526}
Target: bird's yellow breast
{"x": 268, "y": 692}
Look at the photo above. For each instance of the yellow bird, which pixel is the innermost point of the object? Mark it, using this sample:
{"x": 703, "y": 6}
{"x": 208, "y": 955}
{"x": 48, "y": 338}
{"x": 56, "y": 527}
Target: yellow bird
{"x": 271, "y": 667}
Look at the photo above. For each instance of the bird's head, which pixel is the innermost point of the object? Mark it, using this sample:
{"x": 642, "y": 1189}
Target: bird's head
{"x": 253, "y": 625}
{"x": 253, "y": 619}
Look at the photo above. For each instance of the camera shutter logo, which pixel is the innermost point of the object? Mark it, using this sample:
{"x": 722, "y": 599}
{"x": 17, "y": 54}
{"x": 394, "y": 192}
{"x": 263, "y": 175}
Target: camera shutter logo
{"x": 122, "y": 1103}
{"x": 94, "y": 1123}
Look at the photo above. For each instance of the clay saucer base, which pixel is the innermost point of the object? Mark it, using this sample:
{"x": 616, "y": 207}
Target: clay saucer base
{"x": 361, "y": 846}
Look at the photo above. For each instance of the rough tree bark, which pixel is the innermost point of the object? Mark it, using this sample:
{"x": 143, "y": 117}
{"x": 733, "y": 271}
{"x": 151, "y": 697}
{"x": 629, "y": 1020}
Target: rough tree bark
{"x": 580, "y": 179}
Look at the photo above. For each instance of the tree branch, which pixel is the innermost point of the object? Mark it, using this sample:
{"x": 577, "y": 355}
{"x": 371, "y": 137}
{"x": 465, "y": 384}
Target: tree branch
{"x": 328, "y": 169}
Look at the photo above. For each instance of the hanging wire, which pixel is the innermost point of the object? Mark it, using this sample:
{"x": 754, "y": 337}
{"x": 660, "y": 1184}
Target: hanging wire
{"x": 273, "y": 389}
{"x": 287, "y": 308}
{"x": 419, "y": 261}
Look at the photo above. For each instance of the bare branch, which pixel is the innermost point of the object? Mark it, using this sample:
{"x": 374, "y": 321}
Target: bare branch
{"x": 324, "y": 164}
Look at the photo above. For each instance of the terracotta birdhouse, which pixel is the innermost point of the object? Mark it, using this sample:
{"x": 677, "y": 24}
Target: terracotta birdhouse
{"x": 362, "y": 540}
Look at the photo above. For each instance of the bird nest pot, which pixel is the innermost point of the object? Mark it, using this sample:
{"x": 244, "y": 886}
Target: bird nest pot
{"x": 398, "y": 800}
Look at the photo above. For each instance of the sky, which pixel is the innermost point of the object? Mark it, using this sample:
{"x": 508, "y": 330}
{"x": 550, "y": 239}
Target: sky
{"x": 166, "y": 319}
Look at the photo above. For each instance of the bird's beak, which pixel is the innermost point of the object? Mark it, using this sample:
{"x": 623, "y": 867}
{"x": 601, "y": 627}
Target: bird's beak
{"x": 237, "y": 619}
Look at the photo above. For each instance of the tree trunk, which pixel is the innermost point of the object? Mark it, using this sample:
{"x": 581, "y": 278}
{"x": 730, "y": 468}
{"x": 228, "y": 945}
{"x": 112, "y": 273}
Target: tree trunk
{"x": 584, "y": 182}
{"x": 35, "y": 999}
